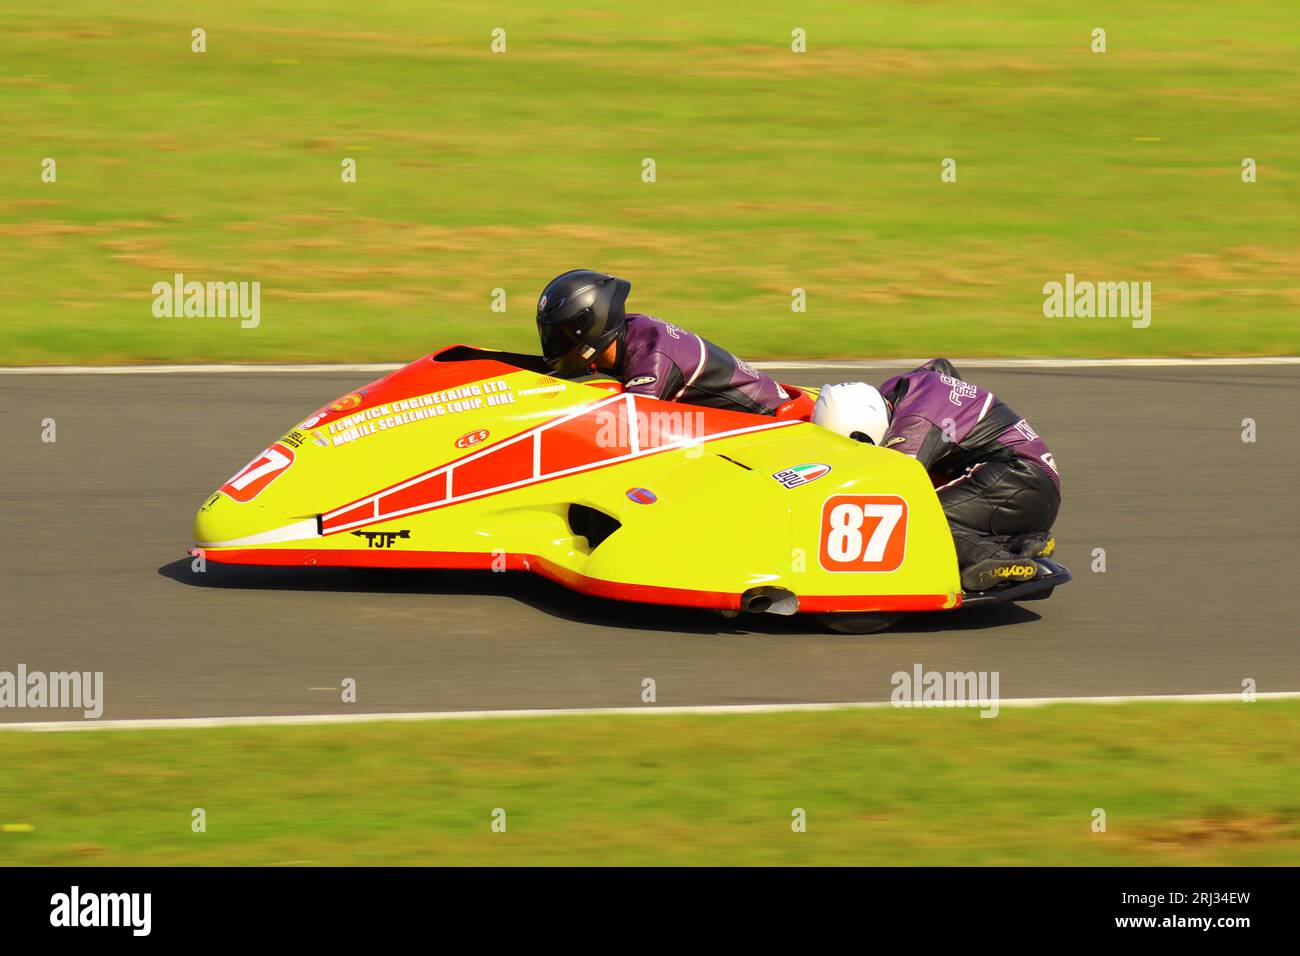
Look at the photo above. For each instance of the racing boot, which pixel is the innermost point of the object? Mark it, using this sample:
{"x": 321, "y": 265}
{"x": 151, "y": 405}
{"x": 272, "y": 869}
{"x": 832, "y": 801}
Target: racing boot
{"x": 1034, "y": 546}
{"x": 997, "y": 572}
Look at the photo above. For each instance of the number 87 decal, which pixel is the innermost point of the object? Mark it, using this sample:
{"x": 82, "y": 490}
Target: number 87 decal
{"x": 863, "y": 533}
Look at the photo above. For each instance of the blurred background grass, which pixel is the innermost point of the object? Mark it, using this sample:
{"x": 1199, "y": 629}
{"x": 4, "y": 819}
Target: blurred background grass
{"x": 775, "y": 170}
{"x": 1208, "y": 784}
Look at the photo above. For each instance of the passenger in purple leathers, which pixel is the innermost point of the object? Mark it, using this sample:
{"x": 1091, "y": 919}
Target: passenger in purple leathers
{"x": 583, "y": 327}
{"x": 996, "y": 479}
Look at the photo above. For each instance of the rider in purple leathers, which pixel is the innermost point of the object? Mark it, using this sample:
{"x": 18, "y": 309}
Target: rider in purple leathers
{"x": 583, "y": 326}
{"x": 996, "y": 479}
{"x": 663, "y": 360}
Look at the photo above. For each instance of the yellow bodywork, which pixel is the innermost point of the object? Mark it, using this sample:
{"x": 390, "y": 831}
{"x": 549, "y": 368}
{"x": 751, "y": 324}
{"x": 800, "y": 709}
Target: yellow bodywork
{"x": 720, "y": 524}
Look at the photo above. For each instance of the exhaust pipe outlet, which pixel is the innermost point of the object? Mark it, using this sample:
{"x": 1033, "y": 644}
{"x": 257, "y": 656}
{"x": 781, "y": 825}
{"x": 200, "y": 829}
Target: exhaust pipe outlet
{"x": 769, "y": 600}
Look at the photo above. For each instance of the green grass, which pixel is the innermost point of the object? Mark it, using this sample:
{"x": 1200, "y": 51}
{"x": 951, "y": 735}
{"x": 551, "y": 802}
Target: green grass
{"x": 775, "y": 171}
{"x": 1179, "y": 783}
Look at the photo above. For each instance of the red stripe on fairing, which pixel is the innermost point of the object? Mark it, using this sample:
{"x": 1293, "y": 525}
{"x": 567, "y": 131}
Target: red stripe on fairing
{"x": 596, "y": 587}
{"x": 588, "y": 439}
{"x": 421, "y": 377}
{"x": 362, "y": 512}
{"x": 429, "y": 490}
{"x": 879, "y": 602}
{"x": 511, "y": 464}
{"x": 579, "y": 433}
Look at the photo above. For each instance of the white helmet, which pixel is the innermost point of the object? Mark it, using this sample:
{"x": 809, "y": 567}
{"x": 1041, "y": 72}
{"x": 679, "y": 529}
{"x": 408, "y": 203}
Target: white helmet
{"x": 853, "y": 407}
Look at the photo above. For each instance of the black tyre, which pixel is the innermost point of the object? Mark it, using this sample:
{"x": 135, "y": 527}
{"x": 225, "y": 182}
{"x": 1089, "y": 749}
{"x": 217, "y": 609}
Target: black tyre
{"x": 856, "y": 623}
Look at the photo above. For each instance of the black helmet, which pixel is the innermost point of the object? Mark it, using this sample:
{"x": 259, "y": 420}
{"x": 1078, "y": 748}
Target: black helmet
{"x": 579, "y": 314}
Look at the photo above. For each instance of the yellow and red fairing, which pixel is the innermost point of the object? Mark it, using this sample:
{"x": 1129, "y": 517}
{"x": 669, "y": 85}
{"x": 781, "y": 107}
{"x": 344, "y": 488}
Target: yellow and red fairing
{"x": 464, "y": 460}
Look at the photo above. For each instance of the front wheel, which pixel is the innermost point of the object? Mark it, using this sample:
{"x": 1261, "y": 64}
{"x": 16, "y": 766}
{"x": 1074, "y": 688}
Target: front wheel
{"x": 856, "y": 623}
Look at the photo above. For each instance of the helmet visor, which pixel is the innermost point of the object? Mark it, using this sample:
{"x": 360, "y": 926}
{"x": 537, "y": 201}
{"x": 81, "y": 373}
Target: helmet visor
{"x": 557, "y": 340}
{"x": 562, "y": 347}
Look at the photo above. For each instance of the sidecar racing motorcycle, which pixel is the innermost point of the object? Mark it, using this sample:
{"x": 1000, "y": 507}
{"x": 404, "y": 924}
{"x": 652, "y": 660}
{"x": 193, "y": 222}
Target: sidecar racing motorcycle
{"x": 472, "y": 458}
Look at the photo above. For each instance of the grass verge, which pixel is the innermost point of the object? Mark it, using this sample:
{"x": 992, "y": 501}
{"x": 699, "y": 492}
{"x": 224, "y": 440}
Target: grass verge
{"x": 1179, "y": 783}
{"x": 775, "y": 170}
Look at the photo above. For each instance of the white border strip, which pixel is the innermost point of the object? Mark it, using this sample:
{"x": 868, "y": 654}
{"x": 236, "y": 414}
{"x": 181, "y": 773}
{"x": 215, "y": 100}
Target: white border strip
{"x": 789, "y": 363}
{"x": 180, "y": 723}
{"x": 303, "y": 530}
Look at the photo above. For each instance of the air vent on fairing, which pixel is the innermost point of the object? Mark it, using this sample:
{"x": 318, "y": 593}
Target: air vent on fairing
{"x": 592, "y": 524}
{"x": 739, "y": 464}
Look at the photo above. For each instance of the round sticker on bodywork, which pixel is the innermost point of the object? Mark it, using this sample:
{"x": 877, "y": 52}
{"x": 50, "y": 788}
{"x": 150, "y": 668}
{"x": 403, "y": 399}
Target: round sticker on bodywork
{"x": 351, "y": 400}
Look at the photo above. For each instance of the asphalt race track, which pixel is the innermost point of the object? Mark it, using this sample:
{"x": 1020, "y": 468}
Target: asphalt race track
{"x": 1199, "y": 528}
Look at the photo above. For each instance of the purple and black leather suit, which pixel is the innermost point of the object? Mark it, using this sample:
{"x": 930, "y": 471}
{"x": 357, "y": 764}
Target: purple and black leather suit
{"x": 665, "y": 361}
{"x": 995, "y": 477}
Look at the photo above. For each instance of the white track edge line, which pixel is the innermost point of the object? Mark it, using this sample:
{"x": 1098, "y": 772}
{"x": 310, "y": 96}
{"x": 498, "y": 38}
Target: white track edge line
{"x": 179, "y": 723}
{"x": 1262, "y": 360}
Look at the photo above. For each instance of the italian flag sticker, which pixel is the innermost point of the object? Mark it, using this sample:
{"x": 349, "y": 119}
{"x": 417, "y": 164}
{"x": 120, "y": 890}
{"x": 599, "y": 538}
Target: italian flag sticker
{"x": 801, "y": 474}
